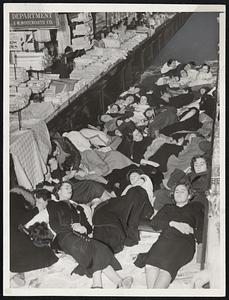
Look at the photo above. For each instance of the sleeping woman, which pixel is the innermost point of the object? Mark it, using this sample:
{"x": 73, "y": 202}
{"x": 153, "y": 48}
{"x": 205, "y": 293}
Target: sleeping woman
{"x": 116, "y": 220}
{"x": 181, "y": 225}
{"x": 69, "y": 223}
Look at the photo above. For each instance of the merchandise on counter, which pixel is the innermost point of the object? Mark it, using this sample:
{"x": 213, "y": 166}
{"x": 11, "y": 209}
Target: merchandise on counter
{"x": 81, "y": 43}
{"x": 31, "y": 60}
{"x": 42, "y": 35}
{"x": 37, "y": 85}
{"x": 18, "y": 74}
{"x": 80, "y": 17}
{"x": 82, "y": 29}
{"x": 112, "y": 41}
{"x": 47, "y": 76}
{"x": 63, "y": 35}
{"x": 18, "y": 101}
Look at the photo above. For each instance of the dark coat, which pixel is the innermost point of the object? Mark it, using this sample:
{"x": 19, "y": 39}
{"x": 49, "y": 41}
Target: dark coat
{"x": 116, "y": 220}
{"x": 24, "y": 256}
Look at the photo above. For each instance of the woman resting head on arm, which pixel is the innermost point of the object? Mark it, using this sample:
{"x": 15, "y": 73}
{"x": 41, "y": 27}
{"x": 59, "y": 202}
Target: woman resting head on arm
{"x": 180, "y": 225}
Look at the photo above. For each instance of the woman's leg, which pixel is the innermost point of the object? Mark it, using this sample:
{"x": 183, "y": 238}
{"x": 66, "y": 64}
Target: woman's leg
{"x": 163, "y": 280}
{"x": 112, "y": 275}
{"x": 116, "y": 279}
{"x": 151, "y": 275}
{"x": 97, "y": 280}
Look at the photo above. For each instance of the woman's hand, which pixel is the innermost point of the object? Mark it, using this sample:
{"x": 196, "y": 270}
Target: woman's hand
{"x": 81, "y": 173}
{"x": 79, "y": 228}
{"x": 69, "y": 175}
{"x": 41, "y": 205}
{"x": 182, "y": 227}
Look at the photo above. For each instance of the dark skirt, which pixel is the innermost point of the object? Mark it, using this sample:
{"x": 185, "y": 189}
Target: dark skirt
{"x": 168, "y": 254}
{"x": 91, "y": 255}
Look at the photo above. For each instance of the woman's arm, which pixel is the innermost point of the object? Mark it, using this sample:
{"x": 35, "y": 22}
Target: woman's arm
{"x": 182, "y": 227}
{"x": 148, "y": 162}
{"x": 83, "y": 219}
{"x": 188, "y": 115}
{"x": 161, "y": 220}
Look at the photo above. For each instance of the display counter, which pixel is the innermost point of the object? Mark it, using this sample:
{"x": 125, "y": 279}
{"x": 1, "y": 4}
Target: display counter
{"x": 100, "y": 83}
{"x": 85, "y": 105}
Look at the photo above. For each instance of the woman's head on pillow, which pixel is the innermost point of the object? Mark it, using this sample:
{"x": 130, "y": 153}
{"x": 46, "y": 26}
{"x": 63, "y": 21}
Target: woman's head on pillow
{"x": 105, "y": 118}
{"x": 190, "y": 65}
{"x": 171, "y": 63}
{"x": 199, "y": 164}
{"x": 134, "y": 175}
{"x": 204, "y": 90}
{"x": 114, "y": 108}
{"x": 149, "y": 113}
{"x": 137, "y": 135}
{"x": 205, "y": 68}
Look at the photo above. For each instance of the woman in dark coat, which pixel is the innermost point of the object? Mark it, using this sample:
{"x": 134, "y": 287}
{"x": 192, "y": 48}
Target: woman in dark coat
{"x": 181, "y": 225}
{"x": 69, "y": 222}
{"x": 198, "y": 178}
{"x": 116, "y": 220}
{"x": 188, "y": 121}
{"x": 24, "y": 255}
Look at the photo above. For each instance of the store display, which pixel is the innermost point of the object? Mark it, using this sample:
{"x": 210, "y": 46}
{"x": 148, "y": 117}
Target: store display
{"x": 63, "y": 34}
{"x": 42, "y": 35}
{"x": 31, "y": 60}
{"x": 18, "y": 102}
{"x": 81, "y": 43}
{"x": 18, "y": 74}
{"x": 75, "y": 32}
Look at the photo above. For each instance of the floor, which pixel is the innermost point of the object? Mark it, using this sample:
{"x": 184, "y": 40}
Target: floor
{"x": 59, "y": 274}
{"x": 196, "y": 41}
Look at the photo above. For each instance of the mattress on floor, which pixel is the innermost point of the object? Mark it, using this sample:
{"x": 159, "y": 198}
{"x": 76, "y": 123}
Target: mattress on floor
{"x": 59, "y": 274}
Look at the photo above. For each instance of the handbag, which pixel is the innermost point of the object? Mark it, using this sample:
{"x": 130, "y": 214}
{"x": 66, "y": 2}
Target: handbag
{"x": 39, "y": 234}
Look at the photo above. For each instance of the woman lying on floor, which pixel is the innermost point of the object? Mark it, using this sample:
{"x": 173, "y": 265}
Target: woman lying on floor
{"x": 86, "y": 186}
{"x": 197, "y": 175}
{"x": 116, "y": 220}
{"x": 181, "y": 225}
{"x": 69, "y": 224}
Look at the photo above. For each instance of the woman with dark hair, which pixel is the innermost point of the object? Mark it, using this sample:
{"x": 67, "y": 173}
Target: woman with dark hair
{"x": 170, "y": 67}
{"x": 69, "y": 223}
{"x": 208, "y": 104}
{"x": 197, "y": 175}
{"x": 204, "y": 75}
{"x": 181, "y": 225}
{"x": 180, "y": 100}
{"x": 163, "y": 117}
{"x": 66, "y": 153}
{"x": 116, "y": 220}
{"x": 190, "y": 69}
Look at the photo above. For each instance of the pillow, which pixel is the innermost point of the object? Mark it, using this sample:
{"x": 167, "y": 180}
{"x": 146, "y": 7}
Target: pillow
{"x": 78, "y": 140}
{"x": 96, "y": 137}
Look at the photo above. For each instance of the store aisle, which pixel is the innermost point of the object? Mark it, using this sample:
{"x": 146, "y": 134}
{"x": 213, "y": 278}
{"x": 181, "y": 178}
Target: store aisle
{"x": 197, "y": 40}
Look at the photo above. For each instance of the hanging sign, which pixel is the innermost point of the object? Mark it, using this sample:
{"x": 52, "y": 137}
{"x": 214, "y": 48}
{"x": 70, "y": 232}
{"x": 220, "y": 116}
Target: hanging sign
{"x": 33, "y": 20}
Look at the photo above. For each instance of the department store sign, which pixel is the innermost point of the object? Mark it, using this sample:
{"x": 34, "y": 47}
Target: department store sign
{"x": 33, "y": 20}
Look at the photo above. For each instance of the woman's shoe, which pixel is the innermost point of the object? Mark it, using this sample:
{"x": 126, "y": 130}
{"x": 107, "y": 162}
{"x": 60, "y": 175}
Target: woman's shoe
{"x": 125, "y": 283}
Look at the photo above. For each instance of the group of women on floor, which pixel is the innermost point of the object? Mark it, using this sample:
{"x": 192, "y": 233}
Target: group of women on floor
{"x": 147, "y": 163}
